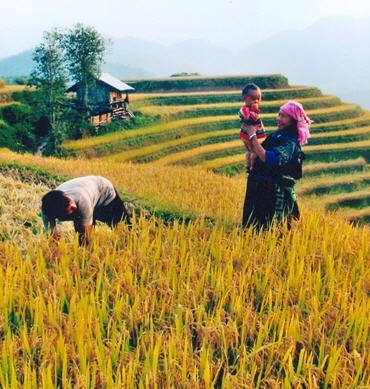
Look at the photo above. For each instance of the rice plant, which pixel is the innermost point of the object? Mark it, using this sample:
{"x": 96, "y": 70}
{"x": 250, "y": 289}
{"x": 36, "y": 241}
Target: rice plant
{"x": 183, "y": 305}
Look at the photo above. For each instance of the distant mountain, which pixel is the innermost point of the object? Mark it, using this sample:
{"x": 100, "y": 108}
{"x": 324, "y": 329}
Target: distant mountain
{"x": 17, "y": 65}
{"x": 22, "y": 65}
{"x": 333, "y": 54}
{"x": 193, "y": 55}
{"x": 125, "y": 72}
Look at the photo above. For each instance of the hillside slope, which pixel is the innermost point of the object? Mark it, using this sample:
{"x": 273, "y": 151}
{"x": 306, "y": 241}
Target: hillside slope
{"x": 197, "y": 125}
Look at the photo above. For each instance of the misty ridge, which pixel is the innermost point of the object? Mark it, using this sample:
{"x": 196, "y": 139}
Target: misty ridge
{"x": 333, "y": 54}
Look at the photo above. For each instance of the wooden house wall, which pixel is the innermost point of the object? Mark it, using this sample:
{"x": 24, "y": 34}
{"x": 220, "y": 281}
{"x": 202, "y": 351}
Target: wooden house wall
{"x": 101, "y": 93}
{"x": 115, "y": 95}
{"x": 104, "y": 118}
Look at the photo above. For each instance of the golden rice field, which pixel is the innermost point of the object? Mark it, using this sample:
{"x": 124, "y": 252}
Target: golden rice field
{"x": 186, "y": 298}
{"x": 192, "y": 304}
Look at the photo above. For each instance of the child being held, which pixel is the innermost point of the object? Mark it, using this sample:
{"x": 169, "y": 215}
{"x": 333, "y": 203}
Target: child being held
{"x": 249, "y": 115}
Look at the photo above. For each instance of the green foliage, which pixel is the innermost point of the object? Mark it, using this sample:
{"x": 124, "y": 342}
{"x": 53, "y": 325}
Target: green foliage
{"x": 16, "y": 113}
{"x": 342, "y": 187}
{"x": 27, "y": 96}
{"x": 328, "y": 170}
{"x": 49, "y": 75}
{"x": 19, "y": 80}
{"x": 76, "y": 125}
{"x": 2, "y": 83}
{"x": 84, "y": 50}
{"x": 25, "y": 137}
{"x": 8, "y": 136}
{"x": 42, "y": 113}
{"x": 24, "y": 121}
{"x": 358, "y": 203}
{"x": 18, "y": 134}
{"x": 208, "y": 83}
{"x": 32, "y": 98}
{"x": 231, "y": 170}
{"x": 138, "y": 121}
{"x": 338, "y": 155}
{"x": 19, "y": 117}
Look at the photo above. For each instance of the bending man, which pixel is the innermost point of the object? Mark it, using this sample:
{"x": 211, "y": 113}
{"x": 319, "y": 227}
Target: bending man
{"x": 83, "y": 200}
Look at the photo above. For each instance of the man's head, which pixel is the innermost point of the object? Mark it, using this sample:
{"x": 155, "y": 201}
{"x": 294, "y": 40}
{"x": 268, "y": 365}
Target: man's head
{"x": 251, "y": 94}
{"x": 56, "y": 204}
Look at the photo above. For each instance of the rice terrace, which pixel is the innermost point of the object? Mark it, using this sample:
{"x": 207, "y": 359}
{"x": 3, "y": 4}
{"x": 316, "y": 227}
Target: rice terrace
{"x": 186, "y": 298}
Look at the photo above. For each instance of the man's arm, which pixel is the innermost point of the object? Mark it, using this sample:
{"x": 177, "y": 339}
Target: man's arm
{"x": 50, "y": 226}
{"x": 84, "y": 233}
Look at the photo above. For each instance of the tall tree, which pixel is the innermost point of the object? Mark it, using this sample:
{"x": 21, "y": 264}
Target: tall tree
{"x": 49, "y": 74}
{"x": 84, "y": 50}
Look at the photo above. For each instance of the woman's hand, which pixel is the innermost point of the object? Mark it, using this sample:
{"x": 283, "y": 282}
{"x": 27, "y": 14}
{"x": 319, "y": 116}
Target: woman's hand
{"x": 250, "y": 130}
{"x": 255, "y": 146}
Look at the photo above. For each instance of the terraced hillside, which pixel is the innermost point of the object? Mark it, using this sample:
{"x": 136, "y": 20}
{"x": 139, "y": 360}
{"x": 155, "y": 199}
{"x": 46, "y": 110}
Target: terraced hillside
{"x": 201, "y": 129}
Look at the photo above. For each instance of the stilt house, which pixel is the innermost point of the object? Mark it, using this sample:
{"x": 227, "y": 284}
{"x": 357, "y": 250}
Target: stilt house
{"x": 108, "y": 99}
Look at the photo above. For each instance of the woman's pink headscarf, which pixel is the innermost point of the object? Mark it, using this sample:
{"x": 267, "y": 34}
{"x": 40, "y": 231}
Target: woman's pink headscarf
{"x": 295, "y": 110}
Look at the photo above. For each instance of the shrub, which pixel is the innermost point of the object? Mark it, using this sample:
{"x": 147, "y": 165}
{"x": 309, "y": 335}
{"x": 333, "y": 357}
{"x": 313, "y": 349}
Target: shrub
{"x": 8, "y": 136}
{"x": 77, "y": 125}
{"x": 138, "y": 121}
{"x": 22, "y": 80}
{"x": 27, "y": 96}
{"x": 184, "y": 74}
{"x": 16, "y": 113}
{"x": 26, "y": 140}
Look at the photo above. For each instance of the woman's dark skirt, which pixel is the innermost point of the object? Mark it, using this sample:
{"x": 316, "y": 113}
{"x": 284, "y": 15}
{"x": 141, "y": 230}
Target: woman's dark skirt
{"x": 261, "y": 203}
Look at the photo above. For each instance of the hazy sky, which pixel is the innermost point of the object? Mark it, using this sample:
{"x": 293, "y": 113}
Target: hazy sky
{"x": 229, "y": 23}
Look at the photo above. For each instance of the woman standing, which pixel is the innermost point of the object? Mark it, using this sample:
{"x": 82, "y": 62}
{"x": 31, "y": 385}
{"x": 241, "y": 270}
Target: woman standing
{"x": 270, "y": 192}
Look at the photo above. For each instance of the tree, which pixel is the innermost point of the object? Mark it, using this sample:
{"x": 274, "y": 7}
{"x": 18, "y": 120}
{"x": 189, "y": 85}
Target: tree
{"x": 49, "y": 74}
{"x": 84, "y": 51}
